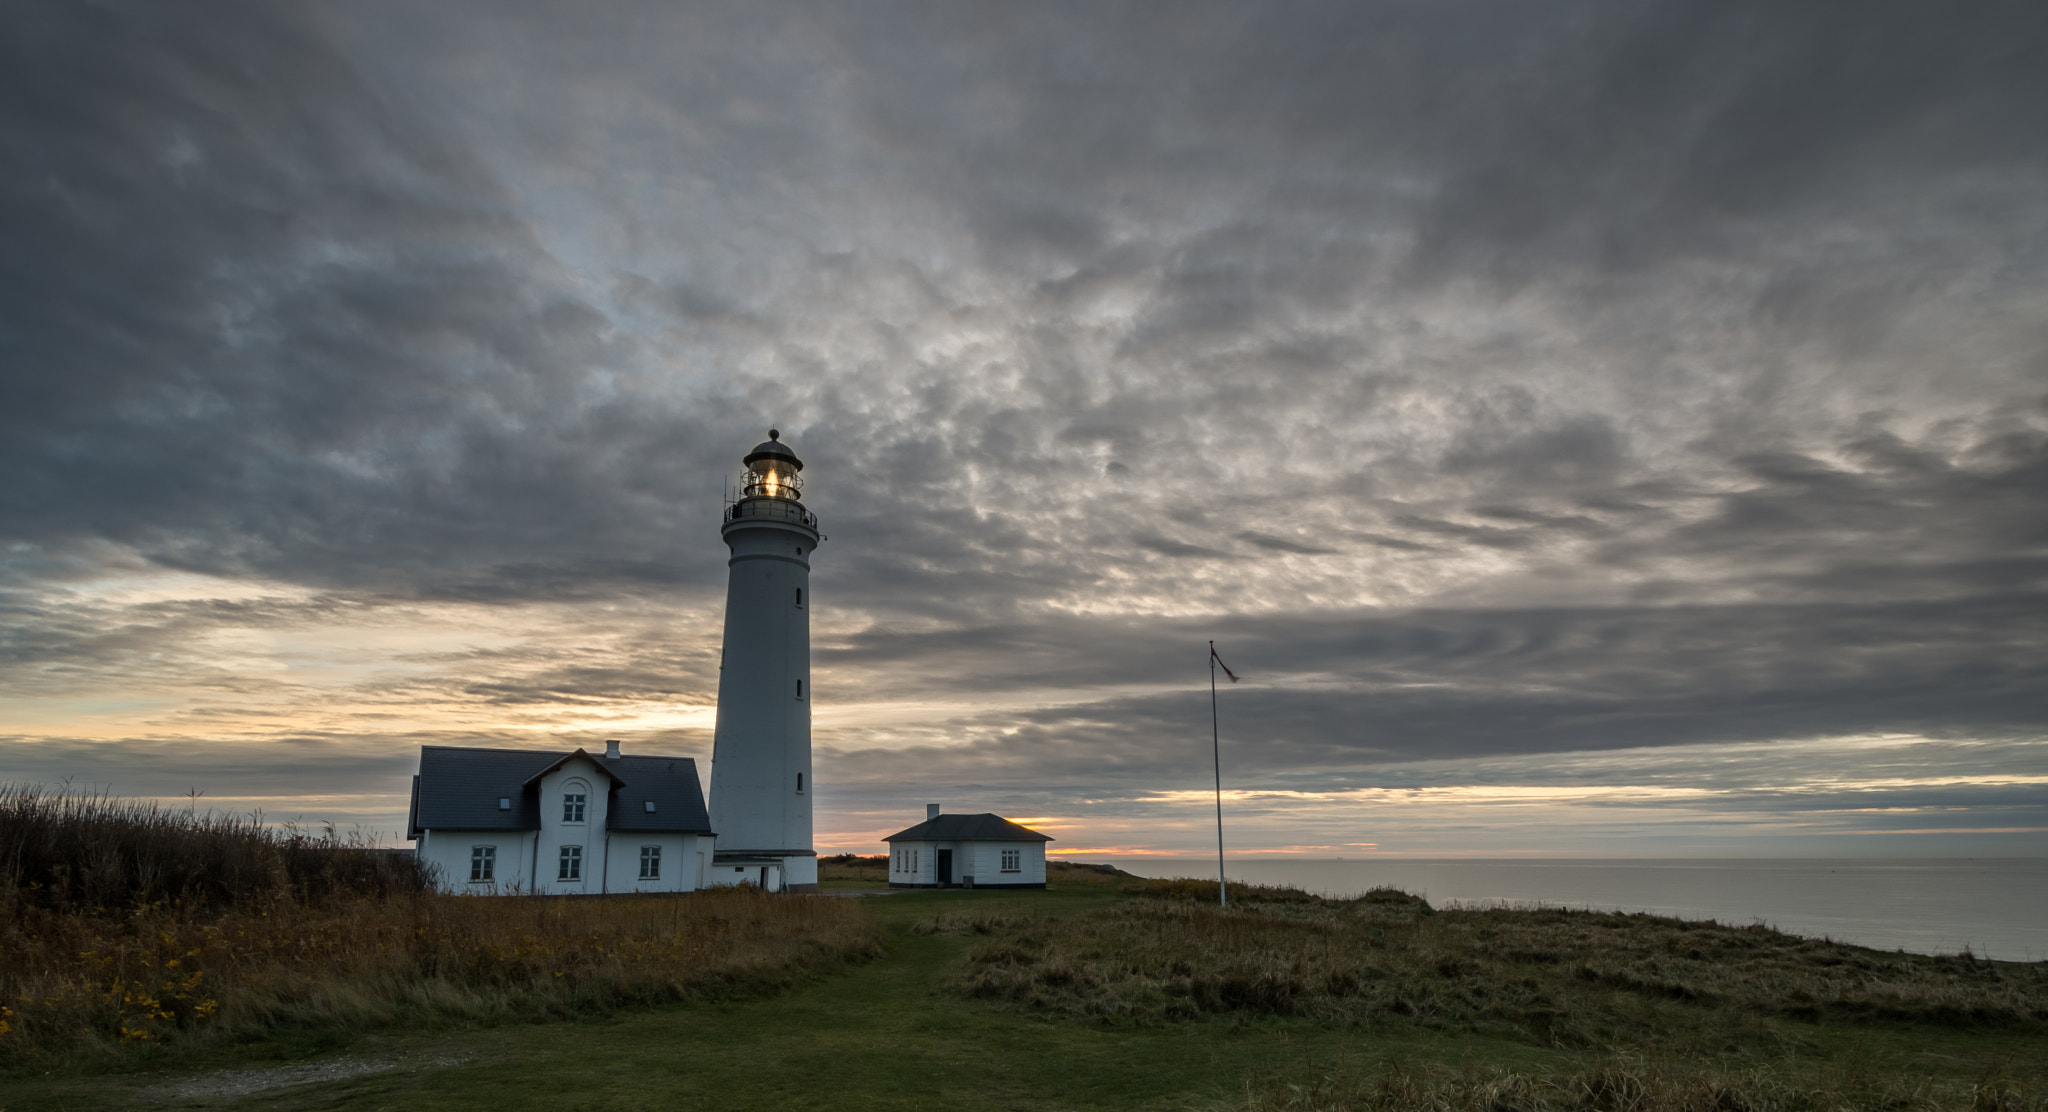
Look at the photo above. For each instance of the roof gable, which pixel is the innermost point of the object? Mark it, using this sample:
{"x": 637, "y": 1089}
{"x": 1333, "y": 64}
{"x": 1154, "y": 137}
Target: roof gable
{"x": 968, "y": 828}
{"x": 535, "y": 779}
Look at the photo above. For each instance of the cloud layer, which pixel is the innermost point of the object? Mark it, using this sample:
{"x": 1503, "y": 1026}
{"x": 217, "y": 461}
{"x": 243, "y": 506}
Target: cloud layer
{"x": 1490, "y": 382}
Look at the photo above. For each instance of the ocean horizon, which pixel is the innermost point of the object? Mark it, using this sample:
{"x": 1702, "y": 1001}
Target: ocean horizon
{"x": 1991, "y": 906}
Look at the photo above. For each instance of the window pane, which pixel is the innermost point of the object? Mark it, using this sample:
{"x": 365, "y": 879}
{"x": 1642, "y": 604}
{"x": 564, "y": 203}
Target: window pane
{"x": 571, "y": 864}
{"x": 572, "y": 807}
{"x": 650, "y": 862}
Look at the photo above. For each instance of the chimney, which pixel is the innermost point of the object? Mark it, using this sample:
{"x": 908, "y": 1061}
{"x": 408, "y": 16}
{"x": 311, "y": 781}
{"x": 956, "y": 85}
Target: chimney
{"x": 931, "y": 811}
{"x": 611, "y": 750}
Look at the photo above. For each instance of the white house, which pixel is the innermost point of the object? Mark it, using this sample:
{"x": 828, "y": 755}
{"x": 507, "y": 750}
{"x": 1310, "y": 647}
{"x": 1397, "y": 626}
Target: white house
{"x": 975, "y": 851}
{"x": 493, "y": 821}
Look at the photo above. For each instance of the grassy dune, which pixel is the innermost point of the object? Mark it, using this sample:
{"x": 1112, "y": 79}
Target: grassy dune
{"x": 1555, "y": 977}
{"x": 1104, "y": 991}
{"x": 1653, "y": 1013}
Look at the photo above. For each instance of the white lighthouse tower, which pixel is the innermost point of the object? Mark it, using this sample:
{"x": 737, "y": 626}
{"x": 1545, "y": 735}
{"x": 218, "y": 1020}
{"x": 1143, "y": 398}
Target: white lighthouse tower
{"x": 761, "y": 786}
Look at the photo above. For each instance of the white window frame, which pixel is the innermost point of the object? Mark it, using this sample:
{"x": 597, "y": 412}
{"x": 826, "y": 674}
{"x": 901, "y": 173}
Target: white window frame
{"x": 650, "y": 856}
{"x": 483, "y": 864}
{"x": 574, "y": 804}
{"x": 1013, "y": 861}
{"x": 569, "y": 864}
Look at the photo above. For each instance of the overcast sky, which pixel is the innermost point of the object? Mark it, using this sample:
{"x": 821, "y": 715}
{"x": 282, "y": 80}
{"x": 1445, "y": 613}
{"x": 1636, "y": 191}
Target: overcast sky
{"x": 1591, "y": 429}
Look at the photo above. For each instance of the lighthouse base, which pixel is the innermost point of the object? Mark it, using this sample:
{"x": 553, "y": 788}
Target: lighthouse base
{"x": 768, "y": 871}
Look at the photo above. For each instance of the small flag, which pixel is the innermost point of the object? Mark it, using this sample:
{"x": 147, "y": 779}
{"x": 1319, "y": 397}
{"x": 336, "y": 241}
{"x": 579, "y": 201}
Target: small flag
{"x": 1219, "y": 662}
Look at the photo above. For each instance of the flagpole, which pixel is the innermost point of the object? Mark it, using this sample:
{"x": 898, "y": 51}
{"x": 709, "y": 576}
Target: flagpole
{"x": 1216, "y": 750}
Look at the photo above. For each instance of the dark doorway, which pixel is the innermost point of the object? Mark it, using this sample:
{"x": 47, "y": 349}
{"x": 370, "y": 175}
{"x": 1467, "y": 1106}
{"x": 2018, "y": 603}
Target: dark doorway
{"x": 945, "y": 866}
{"x": 764, "y": 878}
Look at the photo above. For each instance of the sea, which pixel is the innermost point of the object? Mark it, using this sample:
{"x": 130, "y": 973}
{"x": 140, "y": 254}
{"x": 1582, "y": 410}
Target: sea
{"x": 1991, "y": 906}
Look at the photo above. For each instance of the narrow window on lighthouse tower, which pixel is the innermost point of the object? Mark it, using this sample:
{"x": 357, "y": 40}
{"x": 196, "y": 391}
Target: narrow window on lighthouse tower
{"x": 799, "y": 689}
{"x": 799, "y": 598}
{"x": 799, "y": 783}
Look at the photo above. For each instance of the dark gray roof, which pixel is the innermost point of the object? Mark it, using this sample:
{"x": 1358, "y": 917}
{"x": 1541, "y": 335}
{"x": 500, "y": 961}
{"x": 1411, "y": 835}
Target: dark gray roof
{"x": 670, "y": 782}
{"x": 459, "y": 789}
{"x": 968, "y": 828}
{"x": 773, "y": 447}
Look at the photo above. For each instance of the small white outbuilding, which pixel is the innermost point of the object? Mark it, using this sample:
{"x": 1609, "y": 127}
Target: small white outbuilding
{"x": 972, "y": 851}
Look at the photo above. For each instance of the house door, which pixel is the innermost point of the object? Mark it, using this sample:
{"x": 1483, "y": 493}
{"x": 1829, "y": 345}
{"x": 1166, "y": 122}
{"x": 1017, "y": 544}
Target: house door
{"x": 764, "y": 878}
{"x": 945, "y": 866}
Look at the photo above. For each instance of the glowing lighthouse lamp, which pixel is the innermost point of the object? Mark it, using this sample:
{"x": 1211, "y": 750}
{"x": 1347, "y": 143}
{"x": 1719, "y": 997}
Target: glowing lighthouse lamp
{"x": 761, "y": 785}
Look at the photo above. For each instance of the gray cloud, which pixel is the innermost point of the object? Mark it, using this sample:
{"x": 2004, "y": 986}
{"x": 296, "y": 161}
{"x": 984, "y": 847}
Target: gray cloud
{"x": 1513, "y": 379}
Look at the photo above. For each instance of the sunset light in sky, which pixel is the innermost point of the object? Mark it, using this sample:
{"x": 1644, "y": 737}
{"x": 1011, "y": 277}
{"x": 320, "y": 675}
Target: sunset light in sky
{"x": 1623, "y": 435}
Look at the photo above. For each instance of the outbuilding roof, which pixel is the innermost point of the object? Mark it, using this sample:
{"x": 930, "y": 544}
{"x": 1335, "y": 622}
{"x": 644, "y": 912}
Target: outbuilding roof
{"x": 968, "y": 828}
{"x": 459, "y": 789}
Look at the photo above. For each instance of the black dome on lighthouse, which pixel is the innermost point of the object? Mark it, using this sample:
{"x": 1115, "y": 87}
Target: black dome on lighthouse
{"x": 773, "y": 448}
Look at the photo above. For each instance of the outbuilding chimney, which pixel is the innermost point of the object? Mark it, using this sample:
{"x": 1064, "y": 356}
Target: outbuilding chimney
{"x": 931, "y": 811}
{"x": 611, "y": 750}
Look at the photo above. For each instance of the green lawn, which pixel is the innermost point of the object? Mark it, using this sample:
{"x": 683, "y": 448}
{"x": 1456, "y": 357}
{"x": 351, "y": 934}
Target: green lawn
{"x": 888, "y": 1034}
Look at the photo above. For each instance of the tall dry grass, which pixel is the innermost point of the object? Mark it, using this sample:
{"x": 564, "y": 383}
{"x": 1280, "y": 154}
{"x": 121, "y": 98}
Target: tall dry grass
{"x": 127, "y": 926}
{"x": 65, "y": 851}
{"x": 1548, "y": 976}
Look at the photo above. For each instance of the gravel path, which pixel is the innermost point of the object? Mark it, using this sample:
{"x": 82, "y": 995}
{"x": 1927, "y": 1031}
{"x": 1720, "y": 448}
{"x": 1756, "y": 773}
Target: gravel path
{"x": 238, "y": 1083}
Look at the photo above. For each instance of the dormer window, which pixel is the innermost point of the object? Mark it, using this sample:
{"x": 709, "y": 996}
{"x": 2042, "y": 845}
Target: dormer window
{"x": 504, "y": 803}
{"x": 572, "y": 806}
{"x": 650, "y": 806}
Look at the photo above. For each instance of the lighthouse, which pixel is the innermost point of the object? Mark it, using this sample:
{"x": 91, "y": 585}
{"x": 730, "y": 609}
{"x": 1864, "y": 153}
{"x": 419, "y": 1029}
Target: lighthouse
{"x": 761, "y": 787}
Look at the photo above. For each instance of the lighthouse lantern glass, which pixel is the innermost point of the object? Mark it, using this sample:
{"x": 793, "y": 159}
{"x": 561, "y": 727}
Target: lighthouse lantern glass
{"x": 772, "y": 478}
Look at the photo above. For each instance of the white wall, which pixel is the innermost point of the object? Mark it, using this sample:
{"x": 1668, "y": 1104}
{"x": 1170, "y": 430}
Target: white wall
{"x": 578, "y": 775}
{"x": 921, "y": 868}
{"x": 762, "y": 741}
{"x": 980, "y": 860}
{"x": 447, "y": 851}
{"x": 678, "y": 862}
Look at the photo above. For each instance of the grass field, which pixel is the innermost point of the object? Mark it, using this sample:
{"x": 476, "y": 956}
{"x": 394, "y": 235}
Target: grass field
{"x": 908, "y": 1029}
